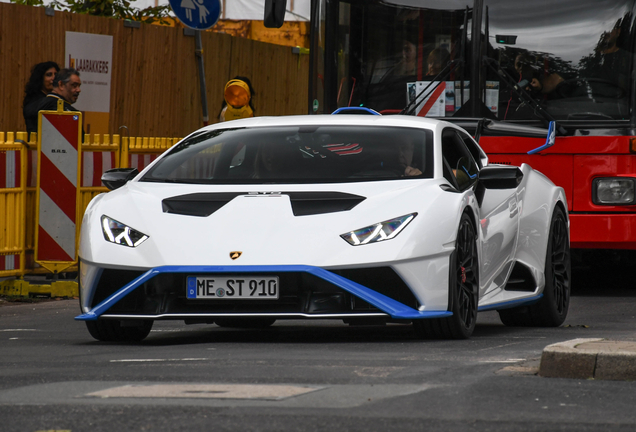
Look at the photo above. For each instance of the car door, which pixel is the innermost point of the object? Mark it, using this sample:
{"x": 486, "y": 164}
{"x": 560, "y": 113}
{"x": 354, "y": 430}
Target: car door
{"x": 498, "y": 210}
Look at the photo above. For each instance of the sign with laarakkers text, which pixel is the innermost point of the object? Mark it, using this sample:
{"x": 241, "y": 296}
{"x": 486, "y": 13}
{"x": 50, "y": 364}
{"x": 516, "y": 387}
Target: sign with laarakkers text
{"x": 92, "y": 56}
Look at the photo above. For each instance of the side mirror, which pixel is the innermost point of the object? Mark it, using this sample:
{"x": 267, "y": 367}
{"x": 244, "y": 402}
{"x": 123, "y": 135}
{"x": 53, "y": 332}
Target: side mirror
{"x": 274, "y": 13}
{"x": 116, "y": 178}
{"x": 500, "y": 177}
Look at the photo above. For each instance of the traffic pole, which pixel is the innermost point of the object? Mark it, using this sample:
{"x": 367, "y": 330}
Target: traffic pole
{"x": 204, "y": 98}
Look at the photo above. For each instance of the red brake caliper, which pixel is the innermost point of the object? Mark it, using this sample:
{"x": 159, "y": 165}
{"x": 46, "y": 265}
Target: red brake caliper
{"x": 463, "y": 275}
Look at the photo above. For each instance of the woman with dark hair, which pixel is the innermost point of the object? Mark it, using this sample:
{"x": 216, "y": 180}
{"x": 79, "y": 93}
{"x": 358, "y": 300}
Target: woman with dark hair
{"x": 39, "y": 85}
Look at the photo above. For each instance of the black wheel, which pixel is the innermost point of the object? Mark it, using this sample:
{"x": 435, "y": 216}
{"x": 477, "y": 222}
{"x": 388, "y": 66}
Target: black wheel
{"x": 118, "y": 331}
{"x": 253, "y": 323}
{"x": 552, "y": 309}
{"x": 463, "y": 288}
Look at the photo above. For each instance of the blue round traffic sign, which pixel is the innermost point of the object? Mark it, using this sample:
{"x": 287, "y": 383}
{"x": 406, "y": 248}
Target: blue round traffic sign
{"x": 197, "y": 14}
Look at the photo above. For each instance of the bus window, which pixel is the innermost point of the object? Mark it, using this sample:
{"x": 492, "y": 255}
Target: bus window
{"x": 573, "y": 57}
{"x": 387, "y": 54}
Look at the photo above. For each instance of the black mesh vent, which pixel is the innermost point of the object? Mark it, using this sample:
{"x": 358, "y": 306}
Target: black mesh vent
{"x": 111, "y": 281}
{"x": 383, "y": 280}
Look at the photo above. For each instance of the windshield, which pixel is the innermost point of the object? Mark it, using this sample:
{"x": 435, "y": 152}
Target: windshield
{"x": 297, "y": 155}
{"x": 572, "y": 59}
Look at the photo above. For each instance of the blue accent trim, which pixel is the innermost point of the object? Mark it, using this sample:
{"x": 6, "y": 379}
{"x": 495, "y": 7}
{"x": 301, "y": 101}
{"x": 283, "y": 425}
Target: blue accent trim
{"x": 512, "y": 303}
{"x": 550, "y": 140}
{"x": 355, "y": 110}
{"x": 386, "y": 304}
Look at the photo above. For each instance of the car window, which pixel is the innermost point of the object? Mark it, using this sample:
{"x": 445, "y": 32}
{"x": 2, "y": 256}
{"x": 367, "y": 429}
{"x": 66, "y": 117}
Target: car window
{"x": 461, "y": 169}
{"x": 298, "y": 154}
{"x": 472, "y": 147}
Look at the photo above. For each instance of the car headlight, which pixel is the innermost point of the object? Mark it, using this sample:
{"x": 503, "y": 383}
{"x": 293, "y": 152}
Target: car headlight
{"x": 613, "y": 191}
{"x": 378, "y": 232}
{"x": 118, "y": 233}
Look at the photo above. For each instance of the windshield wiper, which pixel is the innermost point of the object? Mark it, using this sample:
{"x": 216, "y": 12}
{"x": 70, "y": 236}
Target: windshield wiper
{"x": 523, "y": 95}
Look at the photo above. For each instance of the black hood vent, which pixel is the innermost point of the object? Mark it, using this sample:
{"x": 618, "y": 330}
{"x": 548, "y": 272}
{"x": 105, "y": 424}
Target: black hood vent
{"x": 312, "y": 203}
{"x": 303, "y": 203}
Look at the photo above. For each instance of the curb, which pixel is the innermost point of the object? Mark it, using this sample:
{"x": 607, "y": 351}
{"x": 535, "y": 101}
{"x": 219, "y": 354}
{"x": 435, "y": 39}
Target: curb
{"x": 600, "y": 359}
{"x": 22, "y": 288}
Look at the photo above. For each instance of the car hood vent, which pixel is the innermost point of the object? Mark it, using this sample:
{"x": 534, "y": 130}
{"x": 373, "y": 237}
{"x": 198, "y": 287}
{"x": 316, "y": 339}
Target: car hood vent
{"x": 311, "y": 203}
{"x": 303, "y": 203}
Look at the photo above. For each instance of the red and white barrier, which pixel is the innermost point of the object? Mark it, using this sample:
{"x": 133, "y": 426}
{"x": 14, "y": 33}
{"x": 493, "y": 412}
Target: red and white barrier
{"x": 141, "y": 161}
{"x": 58, "y": 181}
{"x": 9, "y": 262}
{"x": 96, "y": 163}
{"x": 11, "y": 168}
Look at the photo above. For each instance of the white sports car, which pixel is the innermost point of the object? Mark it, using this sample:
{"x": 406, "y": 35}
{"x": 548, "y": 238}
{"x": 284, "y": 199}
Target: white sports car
{"x": 361, "y": 218}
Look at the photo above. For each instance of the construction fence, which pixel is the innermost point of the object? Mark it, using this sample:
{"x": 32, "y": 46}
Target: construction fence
{"x": 18, "y": 163}
{"x": 155, "y": 88}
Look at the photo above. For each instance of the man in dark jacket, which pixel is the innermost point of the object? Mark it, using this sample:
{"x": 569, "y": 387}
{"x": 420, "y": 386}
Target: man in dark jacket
{"x": 66, "y": 87}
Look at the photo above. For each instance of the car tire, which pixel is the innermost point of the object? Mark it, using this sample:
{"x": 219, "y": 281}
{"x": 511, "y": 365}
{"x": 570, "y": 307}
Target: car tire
{"x": 463, "y": 287}
{"x": 552, "y": 309}
{"x": 114, "y": 331}
{"x": 245, "y": 323}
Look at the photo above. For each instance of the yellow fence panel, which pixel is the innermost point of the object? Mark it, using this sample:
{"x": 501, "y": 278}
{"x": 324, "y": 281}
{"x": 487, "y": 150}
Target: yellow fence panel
{"x": 99, "y": 154}
{"x": 18, "y": 170}
{"x": 138, "y": 152}
{"x": 13, "y": 185}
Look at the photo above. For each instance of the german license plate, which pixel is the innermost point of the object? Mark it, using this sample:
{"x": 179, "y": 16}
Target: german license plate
{"x": 232, "y": 287}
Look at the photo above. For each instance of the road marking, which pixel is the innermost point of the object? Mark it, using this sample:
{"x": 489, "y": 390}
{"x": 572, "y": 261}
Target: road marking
{"x": 17, "y": 330}
{"x": 378, "y": 372}
{"x": 55, "y": 430}
{"x": 156, "y": 360}
{"x": 499, "y": 346}
{"x": 206, "y": 391}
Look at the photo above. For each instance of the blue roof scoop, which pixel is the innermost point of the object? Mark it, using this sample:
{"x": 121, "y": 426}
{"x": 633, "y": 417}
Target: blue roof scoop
{"x": 355, "y": 110}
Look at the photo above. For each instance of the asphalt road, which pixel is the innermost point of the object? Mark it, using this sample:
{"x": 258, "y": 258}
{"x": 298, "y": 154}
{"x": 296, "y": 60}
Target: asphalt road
{"x": 311, "y": 376}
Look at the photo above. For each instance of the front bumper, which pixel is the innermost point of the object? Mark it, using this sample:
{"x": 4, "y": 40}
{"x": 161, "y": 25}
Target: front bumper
{"x": 306, "y": 292}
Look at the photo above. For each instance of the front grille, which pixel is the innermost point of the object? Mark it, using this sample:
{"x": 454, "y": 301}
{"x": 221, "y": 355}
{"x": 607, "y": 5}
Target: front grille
{"x": 300, "y": 292}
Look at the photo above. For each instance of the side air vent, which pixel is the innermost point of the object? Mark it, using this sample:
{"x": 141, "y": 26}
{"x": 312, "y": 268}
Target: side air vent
{"x": 521, "y": 279}
{"x": 303, "y": 203}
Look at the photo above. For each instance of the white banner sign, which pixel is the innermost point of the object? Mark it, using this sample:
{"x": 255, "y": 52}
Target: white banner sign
{"x": 92, "y": 56}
